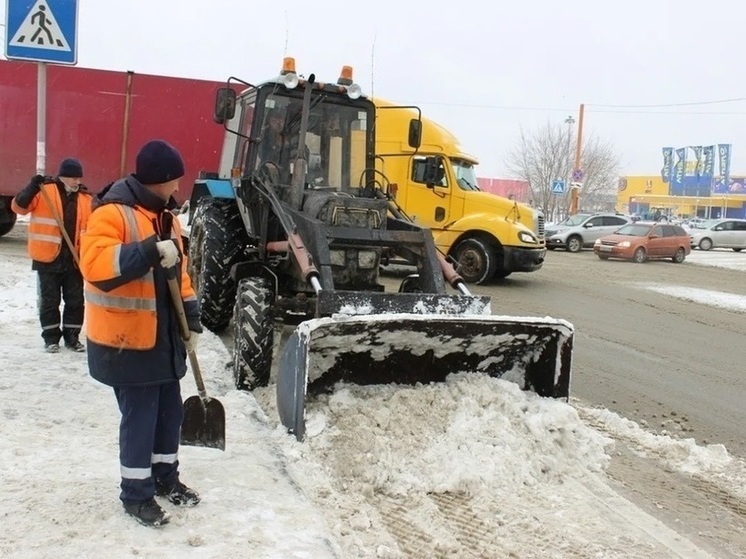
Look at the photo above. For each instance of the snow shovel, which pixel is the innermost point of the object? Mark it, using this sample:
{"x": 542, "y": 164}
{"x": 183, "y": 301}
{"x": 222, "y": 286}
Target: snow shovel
{"x": 204, "y": 417}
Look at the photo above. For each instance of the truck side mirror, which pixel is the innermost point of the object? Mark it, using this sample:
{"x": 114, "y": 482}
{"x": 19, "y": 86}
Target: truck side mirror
{"x": 434, "y": 172}
{"x": 415, "y": 133}
{"x": 225, "y": 105}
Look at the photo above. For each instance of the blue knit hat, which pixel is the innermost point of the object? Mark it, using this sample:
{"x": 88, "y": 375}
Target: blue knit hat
{"x": 70, "y": 168}
{"x": 158, "y": 162}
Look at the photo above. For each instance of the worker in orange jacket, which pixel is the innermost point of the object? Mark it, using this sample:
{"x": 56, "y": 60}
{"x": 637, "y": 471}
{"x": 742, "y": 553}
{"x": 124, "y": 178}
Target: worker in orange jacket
{"x": 131, "y": 247}
{"x": 52, "y": 258}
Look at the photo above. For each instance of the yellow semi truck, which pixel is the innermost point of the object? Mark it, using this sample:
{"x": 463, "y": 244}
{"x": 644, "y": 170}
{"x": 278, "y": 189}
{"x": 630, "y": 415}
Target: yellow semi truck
{"x": 488, "y": 235}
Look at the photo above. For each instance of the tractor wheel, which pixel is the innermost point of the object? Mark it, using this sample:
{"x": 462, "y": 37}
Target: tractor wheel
{"x": 253, "y": 335}
{"x": 216, "y": 243}
{"x": 476, "y": 260}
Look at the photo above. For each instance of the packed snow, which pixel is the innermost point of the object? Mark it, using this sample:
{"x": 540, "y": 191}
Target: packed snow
{"x": 380, "y": 465}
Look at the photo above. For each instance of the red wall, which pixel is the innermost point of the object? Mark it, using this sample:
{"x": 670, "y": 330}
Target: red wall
{"x": 517, "y": 189}
{"x": 85, "y": 119}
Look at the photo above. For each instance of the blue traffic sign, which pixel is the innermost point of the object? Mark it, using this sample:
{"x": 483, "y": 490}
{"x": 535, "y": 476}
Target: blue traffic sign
{"x": 558, "y": 186}
{"x": 42, "y": 30}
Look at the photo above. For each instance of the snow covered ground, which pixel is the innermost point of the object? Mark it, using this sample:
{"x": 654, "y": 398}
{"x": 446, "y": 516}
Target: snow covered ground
{"x": 388, "y": 472}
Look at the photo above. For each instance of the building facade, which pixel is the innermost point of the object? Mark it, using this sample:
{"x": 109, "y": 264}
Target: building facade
{"x": 643, "y": 195}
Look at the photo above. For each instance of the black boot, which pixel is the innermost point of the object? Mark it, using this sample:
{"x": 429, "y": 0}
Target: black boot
{"x": 147, "y": 513}
{"x": 179, "y": 494}
{"x": 72, "y": 341}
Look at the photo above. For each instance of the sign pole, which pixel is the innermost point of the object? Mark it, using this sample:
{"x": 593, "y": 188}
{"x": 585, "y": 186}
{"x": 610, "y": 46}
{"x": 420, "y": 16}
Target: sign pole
{"x": 41, "y": 118}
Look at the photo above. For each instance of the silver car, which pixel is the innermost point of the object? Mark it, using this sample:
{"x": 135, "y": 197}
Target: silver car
{"x": 722, "y": 233}
{"x": 581, "y": 230}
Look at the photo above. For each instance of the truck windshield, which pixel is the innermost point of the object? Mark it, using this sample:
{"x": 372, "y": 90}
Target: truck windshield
{"x": 335, "y": 147}
{"x": 465, "y": 172}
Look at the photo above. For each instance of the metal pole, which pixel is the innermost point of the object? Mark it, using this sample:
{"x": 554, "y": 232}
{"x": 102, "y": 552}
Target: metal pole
{"x": 569, "y": 121}
{"x": 41, "y": 118}
{"x": 578, "y": 149}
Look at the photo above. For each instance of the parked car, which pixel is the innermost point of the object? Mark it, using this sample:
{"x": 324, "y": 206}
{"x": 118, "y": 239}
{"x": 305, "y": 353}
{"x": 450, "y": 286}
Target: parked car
{"x": 721, "y": 233}
{"x": 581, "y": 230}
{"x": 645, "y": 241}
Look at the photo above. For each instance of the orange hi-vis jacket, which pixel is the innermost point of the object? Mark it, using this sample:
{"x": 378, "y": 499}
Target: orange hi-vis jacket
{"x": 124, "y": 317}
{"x": 44, "y": 235}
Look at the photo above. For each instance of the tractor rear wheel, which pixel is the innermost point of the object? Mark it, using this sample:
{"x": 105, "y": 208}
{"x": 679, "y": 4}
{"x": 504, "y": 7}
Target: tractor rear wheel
{"x": 253, "y": 334}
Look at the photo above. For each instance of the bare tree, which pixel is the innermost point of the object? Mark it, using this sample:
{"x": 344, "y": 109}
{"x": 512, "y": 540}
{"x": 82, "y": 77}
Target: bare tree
{"x": 549, "y": 154}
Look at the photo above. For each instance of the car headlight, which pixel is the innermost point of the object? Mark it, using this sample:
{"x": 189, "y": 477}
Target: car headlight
{"x": 624, "y": 244}
{"x": 598, "y": 242}
{"x": 526, "y": 237}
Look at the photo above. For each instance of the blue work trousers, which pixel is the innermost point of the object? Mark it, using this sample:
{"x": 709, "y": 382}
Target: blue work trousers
{"x": 149, "y": 434}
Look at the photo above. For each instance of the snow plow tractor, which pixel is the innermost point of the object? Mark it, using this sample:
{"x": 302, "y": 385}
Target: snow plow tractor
{"x": 293, "y": 231}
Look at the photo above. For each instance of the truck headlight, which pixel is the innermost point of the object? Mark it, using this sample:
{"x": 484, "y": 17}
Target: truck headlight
{"x": 526, "y": 237}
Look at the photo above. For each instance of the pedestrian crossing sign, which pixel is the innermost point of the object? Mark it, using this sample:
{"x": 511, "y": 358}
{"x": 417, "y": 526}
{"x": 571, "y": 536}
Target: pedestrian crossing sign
{"x": 558, "y": 186}
{"x": 42, "y": 30}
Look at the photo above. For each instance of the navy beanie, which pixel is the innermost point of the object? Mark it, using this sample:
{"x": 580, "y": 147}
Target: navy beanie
{"x": 158, "y": 162}
{"x": 70, "y": 168}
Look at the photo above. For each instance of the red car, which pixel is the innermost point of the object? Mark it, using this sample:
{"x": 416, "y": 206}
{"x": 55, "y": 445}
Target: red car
{"x": 645, "y": 241}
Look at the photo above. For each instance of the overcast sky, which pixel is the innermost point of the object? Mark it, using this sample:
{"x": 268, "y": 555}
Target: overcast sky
{"x": 484, "y": 70}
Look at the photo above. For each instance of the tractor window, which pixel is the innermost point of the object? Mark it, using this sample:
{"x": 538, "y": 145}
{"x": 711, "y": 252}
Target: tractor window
{"x": 419, "y": 167}
{"x": 247, "y": 118}
{"x": 335, "y": 143}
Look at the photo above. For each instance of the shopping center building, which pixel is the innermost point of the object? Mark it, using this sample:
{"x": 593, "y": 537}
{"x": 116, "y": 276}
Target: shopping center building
{"x": 647, "y": 194}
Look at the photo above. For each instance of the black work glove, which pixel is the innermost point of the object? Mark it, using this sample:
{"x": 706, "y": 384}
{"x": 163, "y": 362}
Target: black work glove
{"x": 36, "y": 182}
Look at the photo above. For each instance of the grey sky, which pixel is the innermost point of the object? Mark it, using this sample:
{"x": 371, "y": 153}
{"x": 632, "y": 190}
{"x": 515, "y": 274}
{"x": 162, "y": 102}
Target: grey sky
{"x": 483, "y": 70}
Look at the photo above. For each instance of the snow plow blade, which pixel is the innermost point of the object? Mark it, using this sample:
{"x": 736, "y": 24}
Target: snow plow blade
{"x": 534, "y": 352}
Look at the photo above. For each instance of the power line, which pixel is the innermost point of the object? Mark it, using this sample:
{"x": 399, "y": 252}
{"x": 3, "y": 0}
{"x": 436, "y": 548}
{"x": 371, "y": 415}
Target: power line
{"x": 660, "y": 106}
{"x": 603, "y": 108}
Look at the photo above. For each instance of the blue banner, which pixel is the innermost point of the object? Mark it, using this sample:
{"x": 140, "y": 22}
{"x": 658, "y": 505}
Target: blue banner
{"x": 724, "y": 157}
{"x": 667, "y": 165}
{"x": 708, "y": 165}
{"x": 679, "y": 171}
{"x": 698, "y": 163}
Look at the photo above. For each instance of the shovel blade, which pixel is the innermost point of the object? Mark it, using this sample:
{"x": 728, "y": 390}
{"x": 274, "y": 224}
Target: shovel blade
{"x": 534, "y": 352}
{"x": 204, "y": 423}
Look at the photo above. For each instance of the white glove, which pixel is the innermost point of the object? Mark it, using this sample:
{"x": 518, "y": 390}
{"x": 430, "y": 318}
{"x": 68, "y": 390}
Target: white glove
{"x": 168, "y": 252}
{"x": 191, "y": 343}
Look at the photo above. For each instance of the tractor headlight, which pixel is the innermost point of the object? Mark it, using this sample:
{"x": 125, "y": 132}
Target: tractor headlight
{"x": 354, "y": 91}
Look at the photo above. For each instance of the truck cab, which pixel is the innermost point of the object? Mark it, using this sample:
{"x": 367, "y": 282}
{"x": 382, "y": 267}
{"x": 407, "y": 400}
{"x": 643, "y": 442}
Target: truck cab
{"x": 488, "y": 235}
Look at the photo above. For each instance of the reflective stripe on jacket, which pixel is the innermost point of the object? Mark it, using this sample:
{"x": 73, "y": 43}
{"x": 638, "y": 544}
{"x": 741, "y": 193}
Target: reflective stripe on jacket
{"x": 44, "y": 235}
{"x": 124, "y": 317}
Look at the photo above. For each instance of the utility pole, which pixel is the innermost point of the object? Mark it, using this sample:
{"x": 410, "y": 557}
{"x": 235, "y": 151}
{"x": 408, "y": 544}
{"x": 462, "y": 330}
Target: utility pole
{"x": 568, "y": 178}
{"x": 577, "y": 172}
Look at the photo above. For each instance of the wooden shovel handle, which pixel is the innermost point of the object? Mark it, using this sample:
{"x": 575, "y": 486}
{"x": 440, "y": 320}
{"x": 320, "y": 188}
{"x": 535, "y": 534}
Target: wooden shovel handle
{"x": 173, "y": 287}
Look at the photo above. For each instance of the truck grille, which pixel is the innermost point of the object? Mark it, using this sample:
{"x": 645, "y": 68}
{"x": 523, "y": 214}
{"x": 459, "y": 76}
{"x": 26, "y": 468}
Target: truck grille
{"x": 539, "y": 225}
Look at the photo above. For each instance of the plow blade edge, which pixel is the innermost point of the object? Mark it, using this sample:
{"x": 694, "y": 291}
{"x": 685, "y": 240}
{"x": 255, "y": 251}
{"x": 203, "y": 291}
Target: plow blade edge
{"x": 534, "y": 352}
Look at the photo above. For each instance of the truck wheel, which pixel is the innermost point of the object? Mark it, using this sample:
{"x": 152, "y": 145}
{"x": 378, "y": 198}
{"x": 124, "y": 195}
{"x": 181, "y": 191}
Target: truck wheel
{"x": 476, "y": 260}
{"x": 216, "y": 243}
{"x": 253, "y": 335}
{"x": 5, "y": 228}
